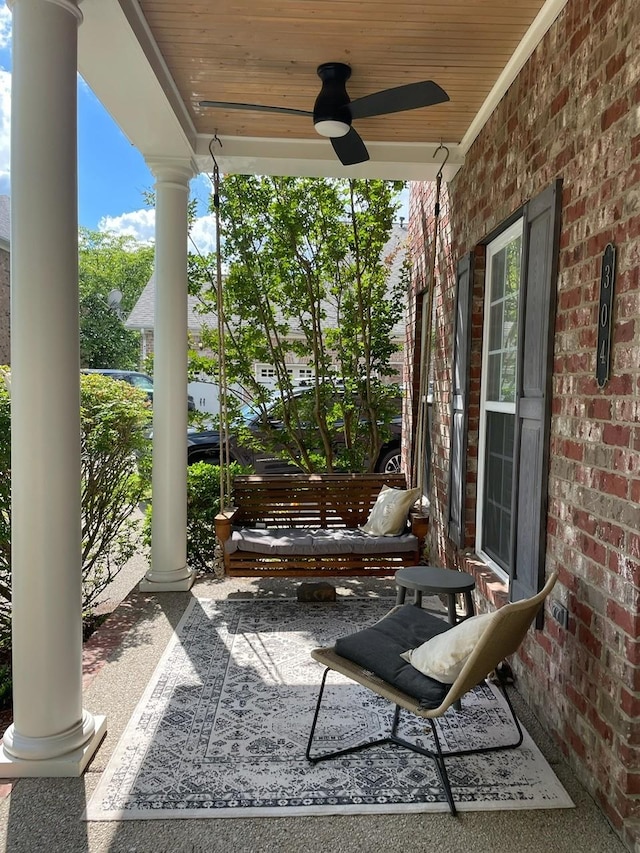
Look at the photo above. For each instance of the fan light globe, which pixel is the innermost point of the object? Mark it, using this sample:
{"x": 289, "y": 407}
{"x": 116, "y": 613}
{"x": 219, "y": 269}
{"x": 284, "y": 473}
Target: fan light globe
{"x": 332, "y": 128}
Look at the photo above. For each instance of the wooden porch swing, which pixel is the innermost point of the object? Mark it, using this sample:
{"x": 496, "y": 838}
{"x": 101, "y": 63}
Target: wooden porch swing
{"x": 310, "y": 524}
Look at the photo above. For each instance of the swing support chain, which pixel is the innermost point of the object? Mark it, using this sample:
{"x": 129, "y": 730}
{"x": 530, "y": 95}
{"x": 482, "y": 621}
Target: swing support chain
{"x": 427, "y": 331}
{"x": 225, "y": 473}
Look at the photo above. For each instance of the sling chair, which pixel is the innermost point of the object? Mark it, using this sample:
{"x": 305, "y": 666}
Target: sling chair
{"x": 371, "y": 657}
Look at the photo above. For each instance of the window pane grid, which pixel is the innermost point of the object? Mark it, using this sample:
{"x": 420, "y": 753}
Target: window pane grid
{"x": 497, "y": 492}
{"x": 498, "y": 403}
{"x": 503, "y": 323}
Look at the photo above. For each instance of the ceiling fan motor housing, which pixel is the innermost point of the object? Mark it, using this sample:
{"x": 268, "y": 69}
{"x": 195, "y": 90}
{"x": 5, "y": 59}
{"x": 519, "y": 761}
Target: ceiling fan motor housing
{"x": 331, "y": 113}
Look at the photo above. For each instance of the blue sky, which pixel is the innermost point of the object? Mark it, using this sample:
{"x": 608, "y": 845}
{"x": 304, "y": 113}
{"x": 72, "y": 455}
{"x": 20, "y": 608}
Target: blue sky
{"x": 112, "y": 174}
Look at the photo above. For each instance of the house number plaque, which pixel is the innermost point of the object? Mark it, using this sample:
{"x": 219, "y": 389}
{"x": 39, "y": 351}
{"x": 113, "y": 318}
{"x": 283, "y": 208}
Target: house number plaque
{"x": 607, "y": 279}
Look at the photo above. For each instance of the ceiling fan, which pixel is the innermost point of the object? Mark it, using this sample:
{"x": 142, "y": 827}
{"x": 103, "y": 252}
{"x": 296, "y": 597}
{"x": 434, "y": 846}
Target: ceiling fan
{"x": 333, "y": 111}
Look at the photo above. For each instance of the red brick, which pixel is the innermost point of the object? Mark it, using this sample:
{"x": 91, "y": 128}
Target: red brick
{"x": 573, "y": 450}
{"x": 583, "y": 612}
{"x": 576, "y": 698}
{"x": 613, "y": 484}
{"x": 632, "y": 785}
{"x": 589, "y": 641}
{"x": 599, "y": 408}
{"x": 603, "y": 728}
{"x": 596, "y": 551}
{"x": 633, "y": 544}
{"x": 575, "y": 741}
{"x": 632, "y": 650}
{"x": 615, "y": 434}
{"x": 630, "y": 623}
{"x": 585, "y": 521}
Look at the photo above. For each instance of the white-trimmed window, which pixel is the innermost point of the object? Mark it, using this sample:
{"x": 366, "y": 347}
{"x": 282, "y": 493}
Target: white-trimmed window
{"x": 498, "y": 398}
{"x": 511, "y": 493}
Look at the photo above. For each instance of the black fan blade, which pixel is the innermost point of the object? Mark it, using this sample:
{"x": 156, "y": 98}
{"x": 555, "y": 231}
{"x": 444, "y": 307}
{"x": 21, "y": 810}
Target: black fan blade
{"x": 256, "y": 108}
{"x": 409, "y": 97}
{"x": 350, "y": 148}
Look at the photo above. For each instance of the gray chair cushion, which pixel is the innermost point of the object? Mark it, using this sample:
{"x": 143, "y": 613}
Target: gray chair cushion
{"x": 378, "y": 649}
{"x": 302, "y": 541}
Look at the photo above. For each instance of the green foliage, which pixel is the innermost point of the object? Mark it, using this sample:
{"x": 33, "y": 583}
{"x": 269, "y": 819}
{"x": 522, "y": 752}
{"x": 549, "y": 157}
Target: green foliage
{"x": 115, "y": 450}
{"x": 5, "y": 516}
{"x": 107, "y": 262}
{"x": 6, "y": 685}
{"x": 308, "y": 281}
{"x": 114, "y": 417}
{"x": 104, "y": 340}
{"x": 203, "y": 504}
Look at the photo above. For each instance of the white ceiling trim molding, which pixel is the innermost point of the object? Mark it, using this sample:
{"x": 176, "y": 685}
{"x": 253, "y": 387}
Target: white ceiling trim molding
{"x": 121, "y": 62}
{"x": 392, "y": 161}
{"x": 532, "y": 38}
{"x": 114, "y": 64}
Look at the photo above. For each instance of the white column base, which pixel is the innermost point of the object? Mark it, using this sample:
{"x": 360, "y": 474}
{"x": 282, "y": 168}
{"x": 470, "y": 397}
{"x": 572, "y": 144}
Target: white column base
{"x": 155, "y": 582}
{"x": 71, "y": 764}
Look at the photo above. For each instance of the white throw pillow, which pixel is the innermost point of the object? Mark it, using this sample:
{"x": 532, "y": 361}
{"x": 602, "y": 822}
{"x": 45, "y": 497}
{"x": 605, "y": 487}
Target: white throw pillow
{"x": 443, "y": 656}
{"x": 388, "y": 516}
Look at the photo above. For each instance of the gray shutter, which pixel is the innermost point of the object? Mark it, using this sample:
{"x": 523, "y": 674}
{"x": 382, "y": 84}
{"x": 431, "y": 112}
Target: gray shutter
{"x": 459, "y": 401}
{"x": 535, "y": 367}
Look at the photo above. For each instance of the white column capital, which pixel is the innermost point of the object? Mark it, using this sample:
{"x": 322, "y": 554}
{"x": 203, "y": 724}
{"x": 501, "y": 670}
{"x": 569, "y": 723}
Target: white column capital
{"x": 70, "y": 6}
{"x": 172, "y": 171}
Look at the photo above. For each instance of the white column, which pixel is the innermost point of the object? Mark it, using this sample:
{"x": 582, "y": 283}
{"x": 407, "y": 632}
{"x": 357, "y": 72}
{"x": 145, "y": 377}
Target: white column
{"x": 169, "y": 570}
{"x": 51, "y": 734}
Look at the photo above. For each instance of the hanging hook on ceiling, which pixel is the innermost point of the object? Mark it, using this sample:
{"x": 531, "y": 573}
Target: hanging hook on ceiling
{"x": 216, "y": 170}
{"x": 441, "y": 147}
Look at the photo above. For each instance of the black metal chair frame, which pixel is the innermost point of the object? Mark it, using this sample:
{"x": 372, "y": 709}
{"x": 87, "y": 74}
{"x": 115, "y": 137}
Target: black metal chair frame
{"x": 438, "y": 755}
{"x": 501, "y": 638}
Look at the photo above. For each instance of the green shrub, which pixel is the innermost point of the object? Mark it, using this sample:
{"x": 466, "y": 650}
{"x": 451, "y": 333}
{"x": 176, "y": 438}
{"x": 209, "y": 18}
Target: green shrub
{"x": 203, "y": 504}
{"x": 5, "y": 516}
{"x": 115, "y": 417}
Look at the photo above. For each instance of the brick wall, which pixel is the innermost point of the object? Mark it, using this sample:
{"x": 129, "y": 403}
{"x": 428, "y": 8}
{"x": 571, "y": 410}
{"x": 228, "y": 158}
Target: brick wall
{"x": 5, "y": 320}
{"x": 573, "y": 112}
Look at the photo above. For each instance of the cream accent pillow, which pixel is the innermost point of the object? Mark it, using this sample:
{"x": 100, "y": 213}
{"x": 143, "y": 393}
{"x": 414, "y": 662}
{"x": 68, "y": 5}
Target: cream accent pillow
{"x": 388, "y": 516}
{"x": 443, "y": 656}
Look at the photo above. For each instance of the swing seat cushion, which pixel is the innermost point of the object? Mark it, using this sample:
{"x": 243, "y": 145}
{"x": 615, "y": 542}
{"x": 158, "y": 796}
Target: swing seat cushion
{"x": 308, "y": 523}
{"x": 317, "y": 541}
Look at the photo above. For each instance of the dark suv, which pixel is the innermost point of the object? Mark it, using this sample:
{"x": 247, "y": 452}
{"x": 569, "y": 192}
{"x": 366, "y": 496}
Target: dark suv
{"x": 204, "y": 446}
{"x": 138, "y": 380}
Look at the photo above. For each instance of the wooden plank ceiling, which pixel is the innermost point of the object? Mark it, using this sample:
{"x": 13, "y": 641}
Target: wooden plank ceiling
{"x": 267, "y": 53}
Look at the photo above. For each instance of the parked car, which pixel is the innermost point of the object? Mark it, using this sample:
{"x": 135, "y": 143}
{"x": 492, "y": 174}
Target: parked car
{"x": 138, "y": 380}
{"x": 203, "y": 445}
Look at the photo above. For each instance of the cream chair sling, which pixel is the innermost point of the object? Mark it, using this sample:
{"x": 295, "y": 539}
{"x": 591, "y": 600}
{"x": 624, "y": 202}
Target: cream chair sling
{"x": 372, "y": 658}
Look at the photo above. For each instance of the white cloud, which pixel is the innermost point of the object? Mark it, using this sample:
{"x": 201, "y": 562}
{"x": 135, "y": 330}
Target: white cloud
{"x": 5, "y": 26}
{"x": 139, "y": 224}
{"x": 5, "y": 130}
{"x": 203, "y": 234}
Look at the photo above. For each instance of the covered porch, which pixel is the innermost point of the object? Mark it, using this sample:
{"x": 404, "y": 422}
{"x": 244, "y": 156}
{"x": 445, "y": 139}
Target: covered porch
{"x": 150, "y": 66}
{"x": 120, "y": 659}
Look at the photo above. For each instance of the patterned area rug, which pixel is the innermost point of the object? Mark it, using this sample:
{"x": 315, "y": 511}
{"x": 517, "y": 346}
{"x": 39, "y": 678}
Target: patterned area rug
{"x": 222, "y": 729}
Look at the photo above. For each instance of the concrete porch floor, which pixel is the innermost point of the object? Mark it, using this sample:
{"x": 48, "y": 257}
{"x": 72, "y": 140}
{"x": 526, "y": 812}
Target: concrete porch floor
{"x": 46, "y": 814}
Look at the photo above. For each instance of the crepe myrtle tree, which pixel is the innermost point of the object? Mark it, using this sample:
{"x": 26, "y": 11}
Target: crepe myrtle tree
{"x": 307, "y": 279}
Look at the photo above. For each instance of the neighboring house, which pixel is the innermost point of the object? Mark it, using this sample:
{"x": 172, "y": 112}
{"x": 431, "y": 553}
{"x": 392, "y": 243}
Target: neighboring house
{"x": 142, "y": 320}
{"x": 5, "y": 279}
{"x": 536, "y": 462}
